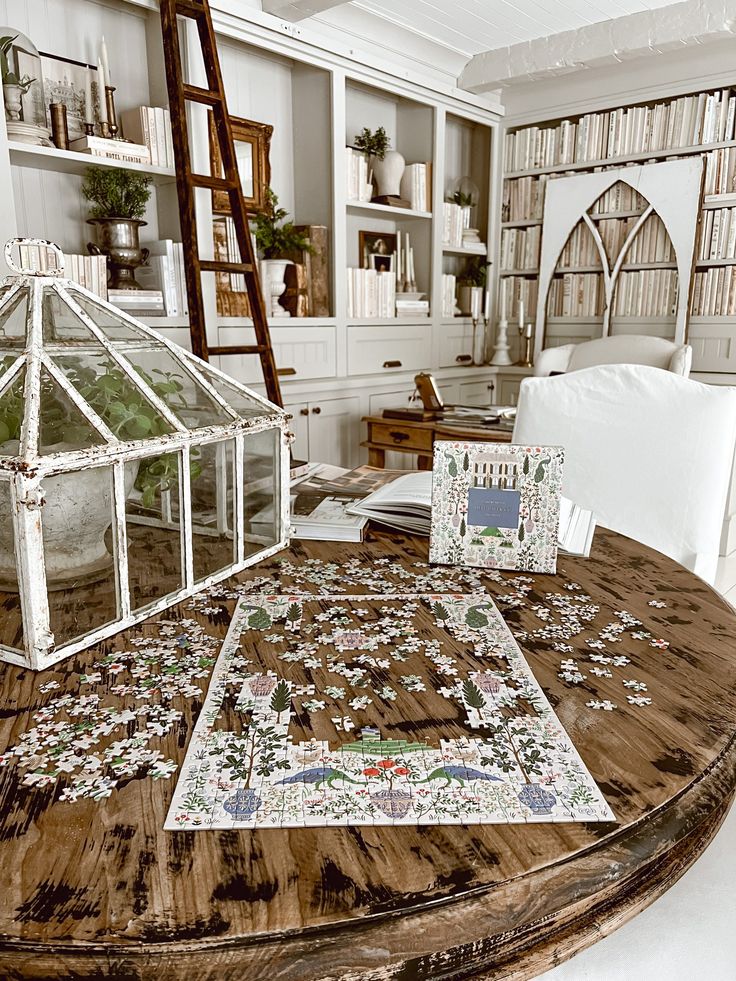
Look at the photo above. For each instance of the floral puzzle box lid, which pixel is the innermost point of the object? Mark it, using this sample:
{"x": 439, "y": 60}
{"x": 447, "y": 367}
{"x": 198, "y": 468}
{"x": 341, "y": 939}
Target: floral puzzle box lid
{"x": 496, "y": 505}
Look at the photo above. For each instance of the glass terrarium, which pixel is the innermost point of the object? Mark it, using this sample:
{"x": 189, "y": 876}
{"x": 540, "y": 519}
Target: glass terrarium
{"x": 132, "y": 473}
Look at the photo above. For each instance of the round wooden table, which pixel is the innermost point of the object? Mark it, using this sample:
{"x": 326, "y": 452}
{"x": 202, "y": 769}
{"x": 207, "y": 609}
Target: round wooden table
{"x": 96, "y": 888}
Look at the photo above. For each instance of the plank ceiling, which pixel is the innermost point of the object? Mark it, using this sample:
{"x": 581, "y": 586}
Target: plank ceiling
{"x": 472, "y": 26}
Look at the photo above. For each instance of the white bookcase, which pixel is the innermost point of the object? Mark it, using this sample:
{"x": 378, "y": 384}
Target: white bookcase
{"x": 317, "y": 100}
{"x": 534, "y": 155}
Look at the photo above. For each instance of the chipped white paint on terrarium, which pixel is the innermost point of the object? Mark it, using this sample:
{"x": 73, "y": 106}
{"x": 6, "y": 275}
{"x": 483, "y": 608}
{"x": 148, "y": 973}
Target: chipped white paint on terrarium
{"x": 131, "y": 473}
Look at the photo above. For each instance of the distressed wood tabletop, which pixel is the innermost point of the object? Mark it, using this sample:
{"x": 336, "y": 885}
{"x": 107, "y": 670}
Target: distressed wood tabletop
{"x": 97, "y": 888}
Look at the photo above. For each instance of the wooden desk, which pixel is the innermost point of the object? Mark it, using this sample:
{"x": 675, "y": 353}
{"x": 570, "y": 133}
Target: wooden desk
{"x": 98, "y": 889}
{"x": 414, "y": 436}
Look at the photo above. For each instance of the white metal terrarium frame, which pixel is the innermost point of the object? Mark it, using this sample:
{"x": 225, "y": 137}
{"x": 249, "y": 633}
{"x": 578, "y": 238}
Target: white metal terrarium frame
{"x": 28, "y": 470}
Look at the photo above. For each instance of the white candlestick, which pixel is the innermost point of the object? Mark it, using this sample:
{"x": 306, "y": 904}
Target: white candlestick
{"x": 487, "y": 305}
{"x": 398, "y": 256}
{"x": 521, "y": 314}
{"x": 528, "y": 331}
{"x": 101, "y": 83}
{"x": 502, "y": 291}
{"x": 105, "y": 62}
{"x": 475, "y": 303}
{"x": 411, "y": 265}
{"x": 89, "y": 109}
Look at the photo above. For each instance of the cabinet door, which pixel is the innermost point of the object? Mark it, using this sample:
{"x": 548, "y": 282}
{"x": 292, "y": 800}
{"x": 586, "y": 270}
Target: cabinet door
{"x": 508, "y": 390}
{"x": 299, "y": 426}
{"x": 477, "y": 393}
{"x": 334, "y": 431}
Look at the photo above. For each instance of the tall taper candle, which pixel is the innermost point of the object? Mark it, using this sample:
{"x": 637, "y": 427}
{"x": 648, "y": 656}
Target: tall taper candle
{"x": 487, "y": 305}
{"x": 502, "y": 291}
{"x": 105, "y": 62}
{"x": 101, "y": 94}
{"x": 89, "y": 109}
{"x": 521, "y": 314}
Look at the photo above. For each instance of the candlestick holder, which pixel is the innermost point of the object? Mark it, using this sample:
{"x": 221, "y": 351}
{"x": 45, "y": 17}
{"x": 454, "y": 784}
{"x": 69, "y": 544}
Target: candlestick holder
{"x": 526, "y": 336}
{"x": 112, "y": 123}
{"x": 89, "y": 129}
{"x": 501, "y": 353}
{"x": 479, "y": 341}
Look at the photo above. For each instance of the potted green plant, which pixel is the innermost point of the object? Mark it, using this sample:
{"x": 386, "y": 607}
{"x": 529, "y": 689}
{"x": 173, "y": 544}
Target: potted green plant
{"x": 119, "y": 198}
{"x": 74, "y": 539}
{"x": 388, "y": 165}
{"x": 14, "y": 86}
{"x": 276, "y": 238}
{"x": 472, "y": 281}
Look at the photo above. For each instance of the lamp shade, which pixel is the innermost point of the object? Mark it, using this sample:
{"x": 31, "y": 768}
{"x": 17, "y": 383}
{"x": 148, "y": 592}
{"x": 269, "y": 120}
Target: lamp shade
{"x": 132, "y": 473}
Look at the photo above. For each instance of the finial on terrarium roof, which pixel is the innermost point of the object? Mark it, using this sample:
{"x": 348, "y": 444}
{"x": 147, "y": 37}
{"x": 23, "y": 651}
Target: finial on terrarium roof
{"x": 36, "y": 257}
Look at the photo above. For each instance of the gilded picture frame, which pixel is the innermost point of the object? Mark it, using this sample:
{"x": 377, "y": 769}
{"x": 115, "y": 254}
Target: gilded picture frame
{"x": 252, "y": 147}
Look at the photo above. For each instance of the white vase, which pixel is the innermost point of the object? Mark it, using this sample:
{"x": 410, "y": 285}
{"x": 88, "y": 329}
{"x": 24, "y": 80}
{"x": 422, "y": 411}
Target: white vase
{"x": 388, "y": 173}
{"x": 465, "y": 296}
{"x": 273, "y": 272}
{"x": 12, "y": 95}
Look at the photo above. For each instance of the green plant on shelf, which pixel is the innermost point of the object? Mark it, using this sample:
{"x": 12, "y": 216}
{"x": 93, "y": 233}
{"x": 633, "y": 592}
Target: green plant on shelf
{"x": 475, "y": 272}
{"x": 24, "y": 82}
{"x": 463, "y": 199}
{"x": 116, "y": 193}
{"x": 275, "y": 236}
{"x": 376, "y": 144}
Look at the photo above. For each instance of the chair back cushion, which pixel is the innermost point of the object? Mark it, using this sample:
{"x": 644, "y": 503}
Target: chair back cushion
{"x": 648, "y": 451}
{"x": 624, "y": 349}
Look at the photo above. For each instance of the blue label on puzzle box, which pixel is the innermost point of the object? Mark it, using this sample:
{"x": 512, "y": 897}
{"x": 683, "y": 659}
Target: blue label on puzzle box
{"x": 490, "y": 507}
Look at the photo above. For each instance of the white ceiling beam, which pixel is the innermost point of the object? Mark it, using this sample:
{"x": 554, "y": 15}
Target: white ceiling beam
{"x": 620, "y": 39}
{"x": 295, "y": 10}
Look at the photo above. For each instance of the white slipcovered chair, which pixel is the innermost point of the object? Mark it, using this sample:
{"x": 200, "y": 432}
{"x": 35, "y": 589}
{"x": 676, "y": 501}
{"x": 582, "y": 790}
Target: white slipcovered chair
{"x": 617, "y": 349}
{"x": 649, "y": 452}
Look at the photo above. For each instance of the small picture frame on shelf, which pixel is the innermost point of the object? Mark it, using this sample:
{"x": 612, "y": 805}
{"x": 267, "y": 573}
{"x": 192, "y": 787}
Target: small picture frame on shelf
{"x": 380, "y": 262}
{"x": 65, "y": 83}
{"x": 373, "y": 246}
{"x": 252, "y": 149}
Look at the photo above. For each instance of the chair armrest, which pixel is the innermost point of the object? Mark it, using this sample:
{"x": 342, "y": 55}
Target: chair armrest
{"x": 553, "y": 359}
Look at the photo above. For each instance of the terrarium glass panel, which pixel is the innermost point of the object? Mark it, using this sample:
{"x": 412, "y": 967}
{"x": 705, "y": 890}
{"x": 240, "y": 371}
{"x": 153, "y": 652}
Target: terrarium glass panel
{"x": 13, "y": 319}
{"x": 261, "y": 489}
{"x": 244, "y": 404}
{"x": 62, "y": 425}
{"x": 77, "y": 521}
{"x": 11, "y": 614}
{"x": 11, "y": 415}
{"x": 113, "y": 327}
{"x": 213, "y": 517}
{"x": 176, "y": 387}
{"x": 113, "y": 395}
{"x": 152, "y": 507}
{"x": 61, "y": 325}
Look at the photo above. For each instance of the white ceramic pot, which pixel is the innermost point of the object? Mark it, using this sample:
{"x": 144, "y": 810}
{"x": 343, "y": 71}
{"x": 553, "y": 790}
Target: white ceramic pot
{"x": 75, "y": 519}
{"x": 388, "y": 173}
{"x": 273, "y": 272}
{"x": 465, "y": 299}
{"x": 12, "y": 96}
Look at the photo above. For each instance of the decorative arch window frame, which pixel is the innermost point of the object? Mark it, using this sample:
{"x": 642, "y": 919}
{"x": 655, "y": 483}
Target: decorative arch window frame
{"x": 672, "y": 190}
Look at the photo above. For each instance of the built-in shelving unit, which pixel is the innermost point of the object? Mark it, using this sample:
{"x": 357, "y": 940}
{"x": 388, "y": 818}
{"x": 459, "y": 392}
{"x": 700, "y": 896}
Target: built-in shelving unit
{"x": 701, "y": 123}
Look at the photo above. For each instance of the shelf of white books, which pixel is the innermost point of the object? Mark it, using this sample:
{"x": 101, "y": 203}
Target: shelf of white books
{"x": 680, "y": 151}
{"x": 706, "y": 263}
{"x": 398, "y": 214}
{"x": 459, "y": 250}
{"x": 71, "y": 162}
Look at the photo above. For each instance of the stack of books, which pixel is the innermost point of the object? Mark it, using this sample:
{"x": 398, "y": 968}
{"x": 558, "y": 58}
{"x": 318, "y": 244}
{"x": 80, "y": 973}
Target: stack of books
{"x": 151, "y": 126}
{"x": 577, "y": 295}
{"x": 99, "y": 146}
{"x": 452, "y": 224}
{"x": 646, "y": 293}
{"x": 411, "y": 306}
{"x": 90, "y": 271}
{"x": 138, "y": 303}
{"x": 359, "y": 187}
{"x": 371, "y": 293}
{"x": 517, "y": 288}
{"x": 416, "y": 186}
{"x": 714, "y": 293}
{"x": 523, "y": 199}
{"x": 164, "y": 273}
{"x": 720, "y": 172}
{"x": 449, "y": 284}
{"x": 520, "y": 247}
{"x": 692, "y": 120}
{"x": 718, "y": 234}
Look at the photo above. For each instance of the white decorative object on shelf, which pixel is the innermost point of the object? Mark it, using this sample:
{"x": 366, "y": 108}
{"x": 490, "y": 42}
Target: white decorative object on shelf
{"x": 145, "y": 496}
{"x": 388, "y": 173}
{"x": 501, "y": 352}
{"x": 273, "y": 272}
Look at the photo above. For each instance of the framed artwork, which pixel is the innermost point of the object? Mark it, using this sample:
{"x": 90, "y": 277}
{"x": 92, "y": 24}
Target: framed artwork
{"x": 33, "y": 102}
{"x": 376, "y": 250}
{"x": 252, "y": 149}
{"x": 65, "y": 81}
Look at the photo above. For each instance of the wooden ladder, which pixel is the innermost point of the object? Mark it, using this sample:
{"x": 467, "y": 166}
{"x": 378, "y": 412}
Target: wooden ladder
{"x": 214, "y": 99}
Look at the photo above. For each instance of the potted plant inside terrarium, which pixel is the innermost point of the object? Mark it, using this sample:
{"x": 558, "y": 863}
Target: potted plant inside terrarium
{"x": 471, "y": 285}
{"x": 118, "y": 198}
{"x": 15, "y": 86}
{"x": 277, "y": 237}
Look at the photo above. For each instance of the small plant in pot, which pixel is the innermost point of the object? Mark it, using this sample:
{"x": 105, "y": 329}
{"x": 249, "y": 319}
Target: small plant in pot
{"x": 75, "y": 549}
{"x": 277, "y": 238}
{"x": 388, "y": 165}
{"x": 473, "y": 280}
{"x": 14, "y": 86}
{"x": 119, "y": 198}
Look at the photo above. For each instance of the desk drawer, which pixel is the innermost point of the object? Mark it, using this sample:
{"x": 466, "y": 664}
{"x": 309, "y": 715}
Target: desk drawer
{"x": 381, "y": 349}
{"x": 393, "y": 433}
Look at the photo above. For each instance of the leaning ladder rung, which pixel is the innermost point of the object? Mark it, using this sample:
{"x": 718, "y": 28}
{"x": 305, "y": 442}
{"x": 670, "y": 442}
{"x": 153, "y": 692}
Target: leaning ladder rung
{"x": 214, "y": 265}
{"x": 193, "y": 93}
{"x": 213, "y": 183}
{"x": 189, "y": 8}
{"x": 238, "y": 349}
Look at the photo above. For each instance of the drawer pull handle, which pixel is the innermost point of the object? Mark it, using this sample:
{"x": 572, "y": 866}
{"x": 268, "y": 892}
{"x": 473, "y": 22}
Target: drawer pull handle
{"x": 316, "y": 410}
{"x": 398, "y": 437}
{"x": 391, "y": 364}
{"x": 286, "y": 371}
{"x": 462, "y": 358}
{"x": 304, "y": 411}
